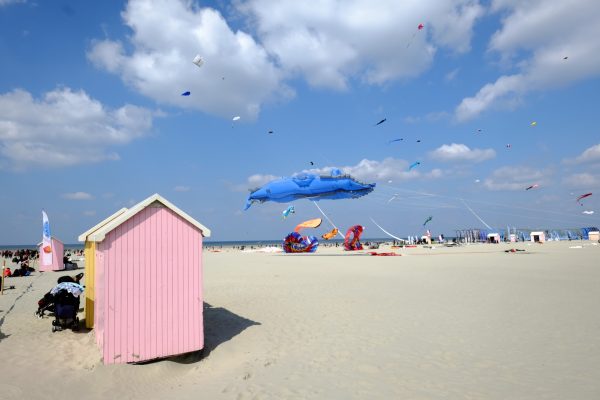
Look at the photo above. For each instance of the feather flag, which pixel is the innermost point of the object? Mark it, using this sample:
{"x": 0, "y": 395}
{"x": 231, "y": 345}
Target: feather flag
{"x": 46, "y": 240}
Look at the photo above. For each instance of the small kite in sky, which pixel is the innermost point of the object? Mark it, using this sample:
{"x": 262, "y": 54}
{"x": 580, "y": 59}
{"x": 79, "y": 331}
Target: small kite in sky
{"x": 427, "y": 220}
{"x": 418, "y": 140}
{"x": 198, "y": 60}
{"x": 381, "y": 122}
{"x": 587, "y": 212}
{"x": 419, "y": 27}
{"x": 508, "y": 146}
{"x": 393, "y": 197}
{"x": 532, "y": 186}
{"x": 414, "y": 165}
{"x": 236, "y": 118}
{"x": 390, "y": 181}
{"x": 534, "y": 123}
{"x": 312, "y": 163}
{"x": 477, "y": 181}
{"x": 186, "y": 93}
{"x": 270, "y": 132}
{"x": 565, "y": 58}
{"x": 583, "y": 196}
{"x": 331, "y": 234}
{"x": 396, "y": 140}
{"x": 288, "y": 211}
{"x": 479, "y": 130}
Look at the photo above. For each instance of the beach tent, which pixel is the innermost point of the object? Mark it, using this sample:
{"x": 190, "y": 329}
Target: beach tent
{"x": 493, "y": 237}
{"x": 147, "y": 282}
{"x": 57, "y": 263}
{"x": 539, "y": 237}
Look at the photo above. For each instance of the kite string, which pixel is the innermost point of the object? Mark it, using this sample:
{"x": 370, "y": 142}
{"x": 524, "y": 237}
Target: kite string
{"x": 330, "y": 221}
{"x": 476, "y": 216}
{"x": 386, "y": 232}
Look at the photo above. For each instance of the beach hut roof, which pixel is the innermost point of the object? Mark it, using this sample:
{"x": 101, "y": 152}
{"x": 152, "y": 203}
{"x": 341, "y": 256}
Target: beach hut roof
{"x": 84, "y": 235}
{"x": 99, "y": 234}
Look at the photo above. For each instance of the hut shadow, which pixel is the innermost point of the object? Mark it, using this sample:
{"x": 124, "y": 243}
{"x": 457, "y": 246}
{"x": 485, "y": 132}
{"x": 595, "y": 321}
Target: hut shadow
{"x": 220, "y": 326}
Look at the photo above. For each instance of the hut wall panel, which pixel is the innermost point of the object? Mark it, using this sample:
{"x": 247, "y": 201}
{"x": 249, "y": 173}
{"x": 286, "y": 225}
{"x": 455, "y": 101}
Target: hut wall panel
{"x": 153, "y": 292}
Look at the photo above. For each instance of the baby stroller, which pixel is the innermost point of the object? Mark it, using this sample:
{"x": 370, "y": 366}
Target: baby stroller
{"x": 46, "y": 303}
{"x": 66, "y": 305}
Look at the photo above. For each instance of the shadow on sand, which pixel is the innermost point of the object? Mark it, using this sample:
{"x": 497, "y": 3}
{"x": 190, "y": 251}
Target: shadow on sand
{"x": 220, "y": 326}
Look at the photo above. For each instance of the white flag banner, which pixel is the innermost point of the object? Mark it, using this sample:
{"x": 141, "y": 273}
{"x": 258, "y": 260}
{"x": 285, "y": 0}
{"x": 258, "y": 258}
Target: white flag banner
{"x": 46, "y": 256}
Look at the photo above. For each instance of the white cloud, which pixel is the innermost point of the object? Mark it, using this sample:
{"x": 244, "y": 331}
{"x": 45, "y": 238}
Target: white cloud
{"x": 64, "y": 128}
{"x": 513, "y": 178}
{"x": 582, "y": 181}
{"x": 590, "y": 154}
{"x": 461, "y": 152}
{"x": 328, "y": 45}
{"x": 546, "y": 32}
{"x": 182, "y": 188}
{"x": 77, "y": 196}
{"x": 337, "y": 40}
{"x": 237, "y": 76}
{"x": 386, "y": 169}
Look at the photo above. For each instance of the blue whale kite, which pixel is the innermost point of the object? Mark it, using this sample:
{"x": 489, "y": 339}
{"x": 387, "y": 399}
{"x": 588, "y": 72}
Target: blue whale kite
{"x": 311, "y": 186}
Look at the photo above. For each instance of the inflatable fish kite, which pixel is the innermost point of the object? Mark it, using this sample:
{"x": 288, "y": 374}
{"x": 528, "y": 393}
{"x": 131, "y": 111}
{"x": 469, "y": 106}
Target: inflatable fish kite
{"x": 331, "y": 234}
{"x": 310, "y": 186}
{"x": 288, "y": 211}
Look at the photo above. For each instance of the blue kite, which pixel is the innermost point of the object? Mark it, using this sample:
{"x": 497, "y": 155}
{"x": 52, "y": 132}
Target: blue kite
{"x": 310, "y": 186}
{"x": 288, "y": 211}
{"x": 414, "y": 165}
{"x": 186, "y": 93}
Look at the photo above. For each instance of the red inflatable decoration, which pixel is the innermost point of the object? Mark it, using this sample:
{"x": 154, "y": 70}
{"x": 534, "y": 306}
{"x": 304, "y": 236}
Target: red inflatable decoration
{"x": 354, "y": 243}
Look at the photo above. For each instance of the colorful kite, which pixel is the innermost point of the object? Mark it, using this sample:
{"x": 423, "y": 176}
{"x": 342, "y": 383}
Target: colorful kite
{"x": 352, "y": 238}
{"x": 534, "y": 123}
{"x": 311, "y": 223}
{"x": 296, "y": 243}
{"x": 419, "y": 27}
{"x": 583, "y": 196}
{"x": 310, "y": 186}
{"x": 331, "y": 234}
{"x": 427, "y": 220}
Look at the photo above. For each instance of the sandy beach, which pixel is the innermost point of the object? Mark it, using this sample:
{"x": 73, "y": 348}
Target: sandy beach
{"x": 471, "y": 322}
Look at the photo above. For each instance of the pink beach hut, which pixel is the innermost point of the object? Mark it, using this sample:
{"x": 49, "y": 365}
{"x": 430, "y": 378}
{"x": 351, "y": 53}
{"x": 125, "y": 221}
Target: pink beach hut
{"x": 57, "y": 256}
{"x": 147, "y": 282}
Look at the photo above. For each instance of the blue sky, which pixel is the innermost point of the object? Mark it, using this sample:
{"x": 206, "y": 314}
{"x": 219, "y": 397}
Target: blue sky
{"x": 92, "y": 118}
